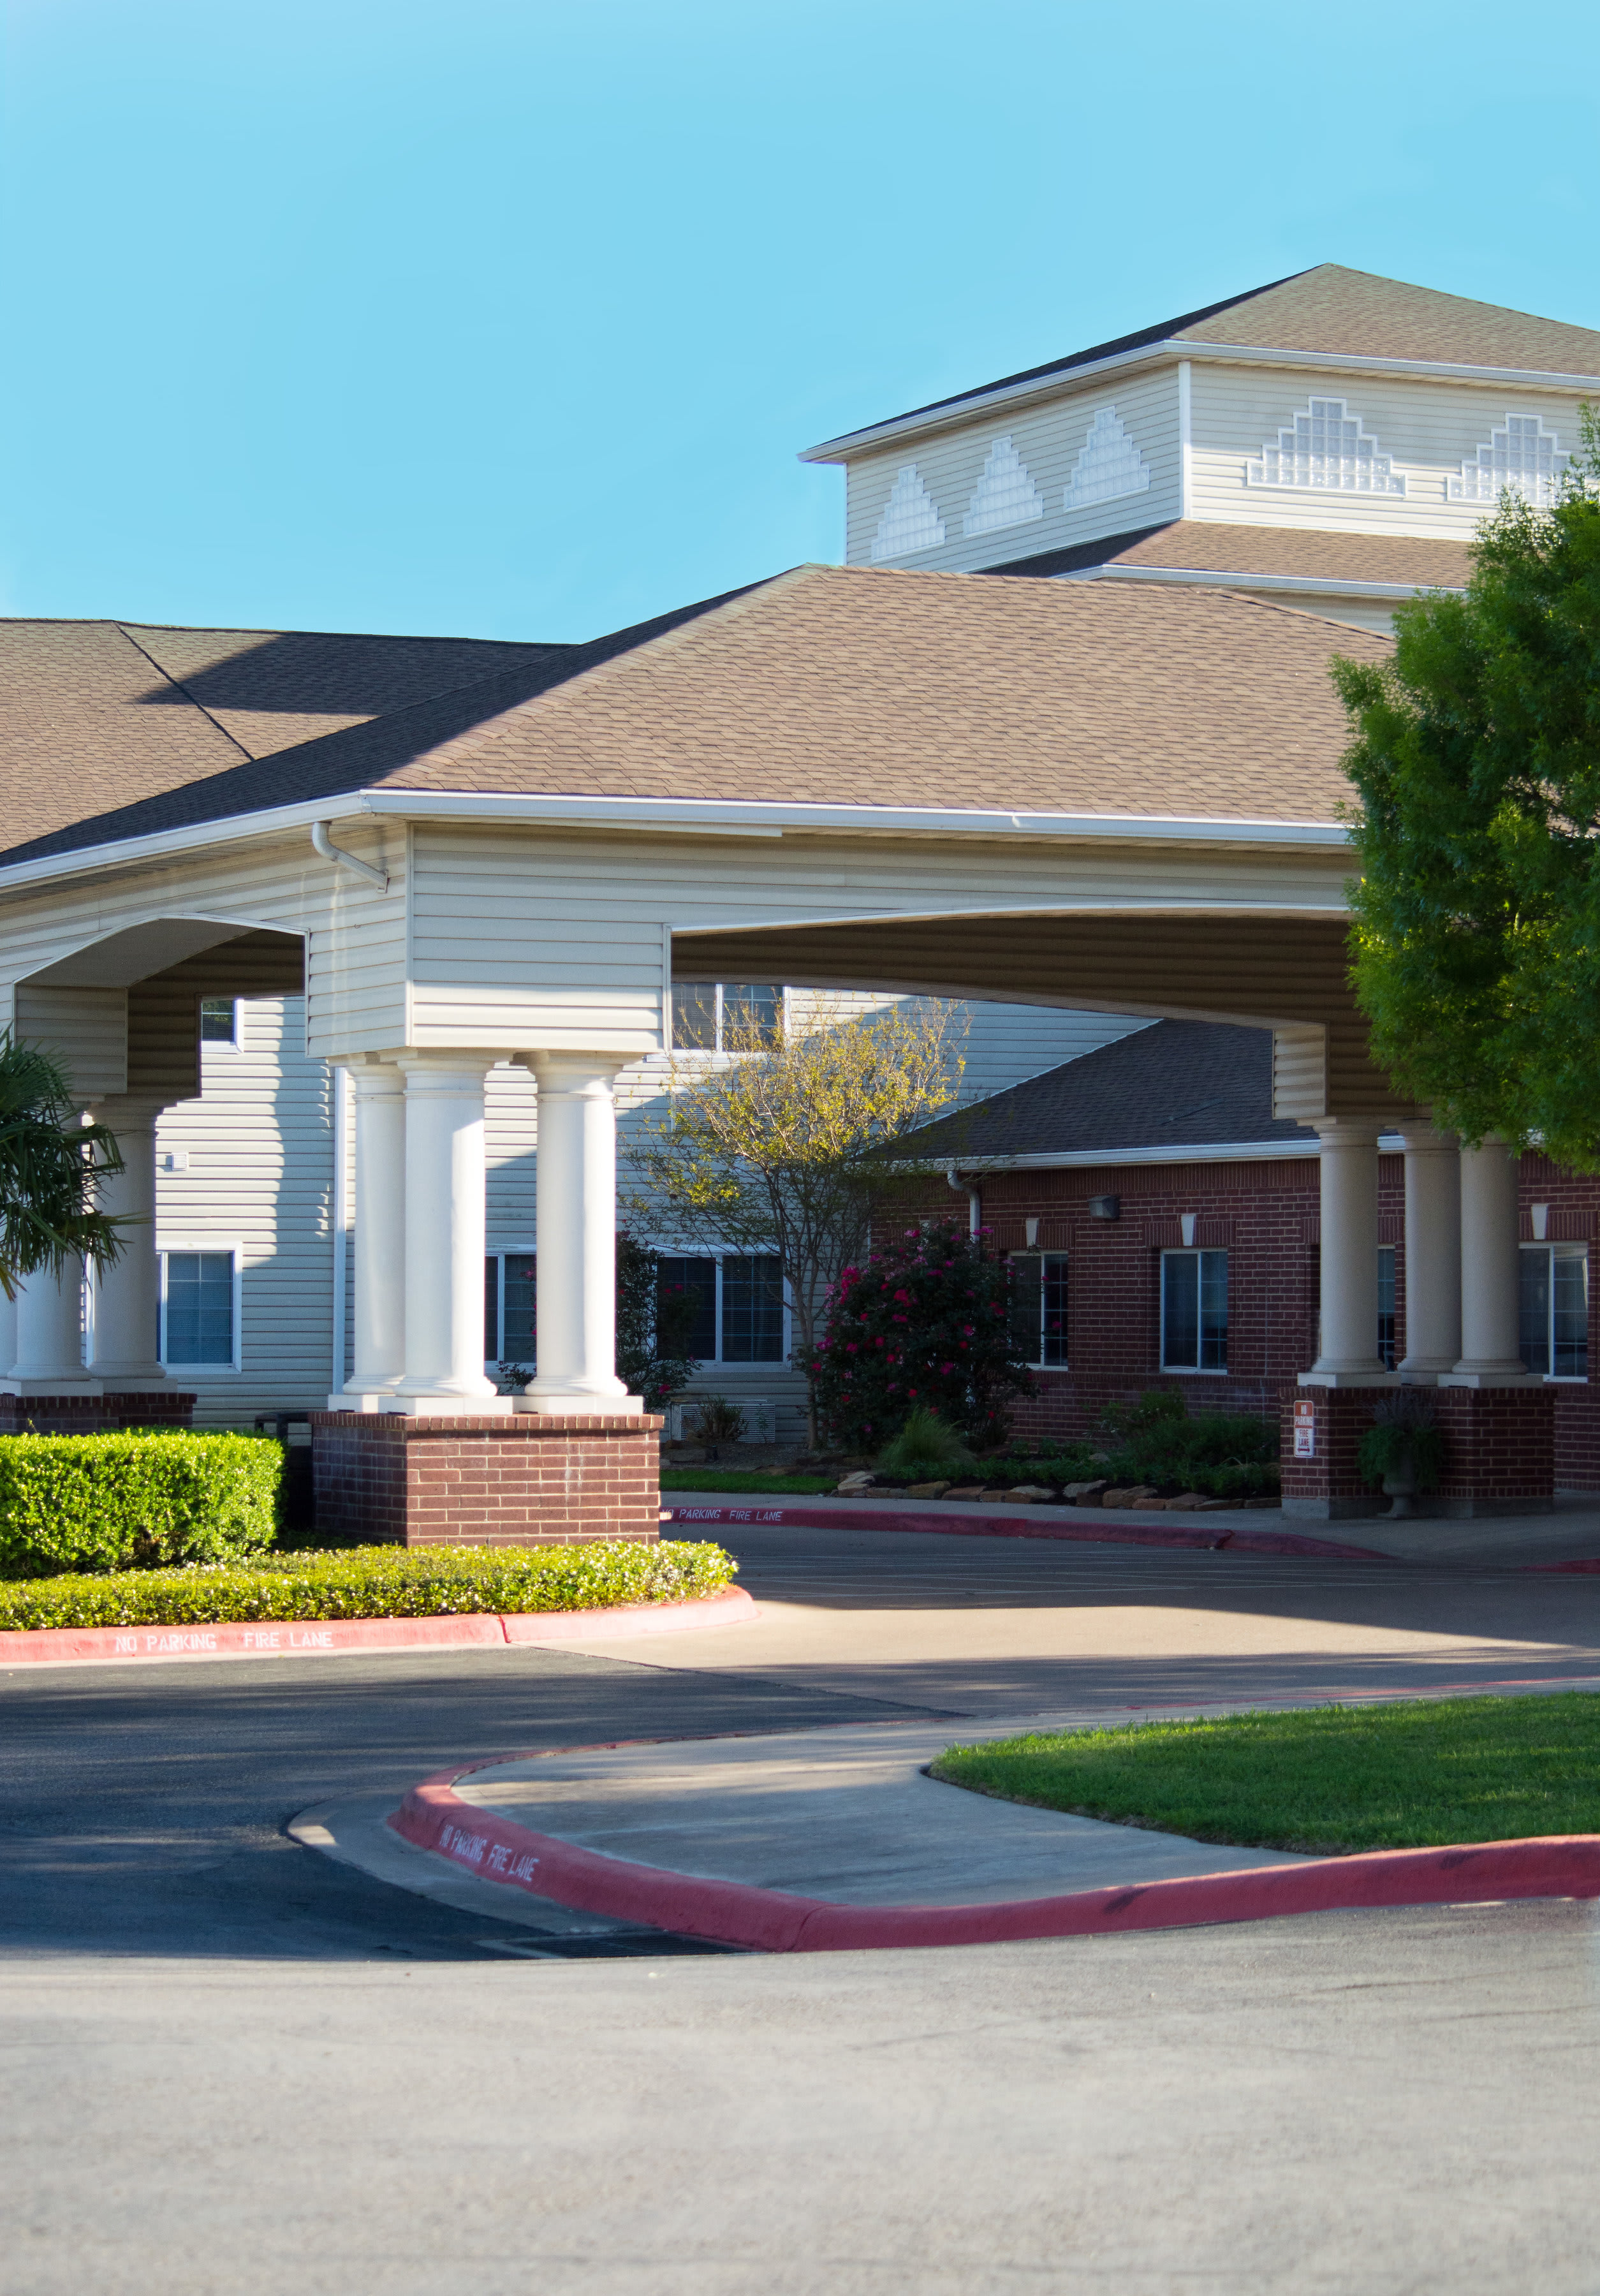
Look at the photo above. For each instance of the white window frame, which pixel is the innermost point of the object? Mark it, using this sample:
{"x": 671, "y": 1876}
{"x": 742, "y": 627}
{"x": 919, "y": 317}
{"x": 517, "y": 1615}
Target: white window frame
{"x": 232, "y": 1044}
{"x": 1037, "y": 1362}
{"x": 211, "y": 1243}
{"x": 1189, "y": 1251}
{"x": 715, "y": 1050}
{"x": 1553, "y": 1252}
{"x": 744, "y": 1362}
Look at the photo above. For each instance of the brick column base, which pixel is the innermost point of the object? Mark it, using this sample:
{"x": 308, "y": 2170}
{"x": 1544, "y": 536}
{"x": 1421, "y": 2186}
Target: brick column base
{"x": 518, "y": 1480}
{"x": 158, "y": 1410}
{"x": 1499, "y": 1453}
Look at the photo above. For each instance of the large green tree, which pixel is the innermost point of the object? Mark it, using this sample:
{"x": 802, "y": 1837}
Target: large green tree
{"x": 50, "y": 1163}
{"x": 1476, "y": 759}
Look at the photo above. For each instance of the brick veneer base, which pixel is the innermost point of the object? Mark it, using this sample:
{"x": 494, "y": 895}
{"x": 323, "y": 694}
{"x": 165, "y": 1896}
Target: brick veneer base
{"x": 513, "y": 1481}
{"x": 1499, "y": 1453}
{"x": 95, "y": 1415}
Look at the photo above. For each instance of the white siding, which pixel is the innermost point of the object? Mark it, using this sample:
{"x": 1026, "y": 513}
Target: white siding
{"x": 1427, "y": 429}
{"x": 260, "y": 1173}
{"x": 1049, "y": 438}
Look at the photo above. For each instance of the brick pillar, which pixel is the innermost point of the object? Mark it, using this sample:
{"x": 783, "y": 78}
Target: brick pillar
{"x": 1500, "y": 1452}
{"x": 527, "y": 1479}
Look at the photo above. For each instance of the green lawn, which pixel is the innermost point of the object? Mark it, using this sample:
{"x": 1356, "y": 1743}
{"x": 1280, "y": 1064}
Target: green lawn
{"x": 1325, "y": 1779}
{"x": 736, "y": 1479}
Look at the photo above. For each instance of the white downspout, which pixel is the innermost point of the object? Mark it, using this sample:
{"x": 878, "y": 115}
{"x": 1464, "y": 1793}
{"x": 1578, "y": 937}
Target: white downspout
{"x": 341, "y": 1220}
{"x": 974, "y": 1200}
{"x": 325, "y": 845}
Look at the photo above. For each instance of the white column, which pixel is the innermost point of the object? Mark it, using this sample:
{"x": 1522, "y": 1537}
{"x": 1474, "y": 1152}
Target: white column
{"x": 576, "y": 1181}
{"x": 128, "y": 1293}
{"x": 378, "y": 1303}
{"x": 444, "y": 1230}
{"x": 1489, "y": 1267}
{"x": 1348, "y": 1352}
{"x": 1433, "y": 1253}
{"x": 50, "y": 1334}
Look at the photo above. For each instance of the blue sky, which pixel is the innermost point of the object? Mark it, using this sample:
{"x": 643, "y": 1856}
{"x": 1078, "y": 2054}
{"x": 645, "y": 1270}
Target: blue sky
{"x": 507, "y": 319}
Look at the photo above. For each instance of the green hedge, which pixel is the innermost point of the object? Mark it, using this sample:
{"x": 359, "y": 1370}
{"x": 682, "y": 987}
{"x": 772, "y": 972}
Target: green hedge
{"x": 375, "y": 1582}
{"x": 101, "y": 1503}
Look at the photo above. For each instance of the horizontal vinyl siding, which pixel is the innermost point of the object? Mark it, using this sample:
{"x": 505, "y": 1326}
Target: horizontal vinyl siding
{"x": 1049, "y": 439}
{"x": 1428, "y": 430}
{"x": 260, "y": 1147}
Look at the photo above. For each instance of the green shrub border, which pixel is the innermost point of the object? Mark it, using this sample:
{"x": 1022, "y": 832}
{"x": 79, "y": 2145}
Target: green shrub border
{"x": 107, "y": 1503}
{"x": 374, "y": 1582}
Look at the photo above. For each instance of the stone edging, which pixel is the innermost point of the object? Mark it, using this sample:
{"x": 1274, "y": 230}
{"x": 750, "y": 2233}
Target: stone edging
{"x": 434, "y": 1817}
{"x": 335, "y": 1637}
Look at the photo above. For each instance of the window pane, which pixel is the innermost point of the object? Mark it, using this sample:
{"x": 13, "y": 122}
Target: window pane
{"x": 752, "y": 1310}
{"x": 698, "y": 1277}
{"x": 1180, "y": 1311}
{"x": 200, "y": 1308}
{"x": 517, "y": 1321}
{"x": 751, "y": 1012}
{"x": 1533, "y": 1307}
{"x": 693, "y": 1016}
{"x": 217, "y": 1021}
{"x": 1386, "y": 1305}
{"x": 491, "y": 1308}
{"x": 1570, "y": 1315}
{"x": 1055, "y": 1308}
{"x": 1027, "y": 1305}
{"x": 1213, "y": 1311}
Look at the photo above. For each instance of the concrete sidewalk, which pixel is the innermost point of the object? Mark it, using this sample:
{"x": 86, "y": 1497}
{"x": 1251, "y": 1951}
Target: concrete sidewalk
{"x": 1572, "y": 1533}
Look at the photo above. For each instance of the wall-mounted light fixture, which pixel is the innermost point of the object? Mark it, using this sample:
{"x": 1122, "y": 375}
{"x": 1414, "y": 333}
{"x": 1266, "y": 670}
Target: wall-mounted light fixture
{"x": 1105, "y": 1208}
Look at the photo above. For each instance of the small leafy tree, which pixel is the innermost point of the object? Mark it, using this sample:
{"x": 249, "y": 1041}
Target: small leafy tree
{"x": 924, "y": 1324}
{"x": 1477, "y": 761}
{"x": 784, "y": 1148}
{"x": 50, "y": 1162}
{"x": 654, "y": 1321}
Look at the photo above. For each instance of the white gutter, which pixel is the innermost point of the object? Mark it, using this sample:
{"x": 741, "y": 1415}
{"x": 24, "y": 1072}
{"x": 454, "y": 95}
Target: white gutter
{"x": 1209, "y": 575}
{"x": 1175, "y": 1152}
{"x": 697, "y": 818}
{"x": 1174, "y": 347}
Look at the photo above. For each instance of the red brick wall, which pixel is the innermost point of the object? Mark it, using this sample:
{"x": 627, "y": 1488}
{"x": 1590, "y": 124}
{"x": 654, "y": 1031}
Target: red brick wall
{"x": 1498, "y": 1448}
{"x": 95, "y": 1414}
{"x": 512, "y": 1479}
{"x": 1265, "y": 1213}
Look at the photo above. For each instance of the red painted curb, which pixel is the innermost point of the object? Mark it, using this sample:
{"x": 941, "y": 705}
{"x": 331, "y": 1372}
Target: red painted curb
{"x": 433, "y": 1817}
{"x": 328, "y": 1637}
{"x": 1100, "y": 1530}
{"x": 1588, "y": 1565}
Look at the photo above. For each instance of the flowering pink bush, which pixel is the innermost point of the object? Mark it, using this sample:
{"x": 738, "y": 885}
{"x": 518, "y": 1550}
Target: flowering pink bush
{"x": 924, "y": 1322}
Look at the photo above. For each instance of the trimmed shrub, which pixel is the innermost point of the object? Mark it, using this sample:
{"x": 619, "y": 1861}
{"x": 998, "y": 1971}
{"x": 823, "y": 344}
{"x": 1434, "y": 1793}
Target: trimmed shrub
{"x": 375, "y": 1582}
{"x": 99, "y": 1503}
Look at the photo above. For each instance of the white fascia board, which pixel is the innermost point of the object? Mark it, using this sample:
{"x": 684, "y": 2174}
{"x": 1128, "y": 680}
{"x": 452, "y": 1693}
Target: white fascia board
{"x": 1014, "y": 394}
{"x": 1174, "y": 1152}
{"x": 652, "y": 815}
{"x": 1323, "y": 586}
{"x": 706, "y": 816}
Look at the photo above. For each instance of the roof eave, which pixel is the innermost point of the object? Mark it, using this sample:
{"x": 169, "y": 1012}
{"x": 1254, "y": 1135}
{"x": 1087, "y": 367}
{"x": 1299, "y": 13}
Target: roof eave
{"x": 1174, "y": 347}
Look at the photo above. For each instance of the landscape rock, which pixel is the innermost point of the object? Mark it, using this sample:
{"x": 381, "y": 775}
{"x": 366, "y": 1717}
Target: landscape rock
{"x": 926, "y": 1490}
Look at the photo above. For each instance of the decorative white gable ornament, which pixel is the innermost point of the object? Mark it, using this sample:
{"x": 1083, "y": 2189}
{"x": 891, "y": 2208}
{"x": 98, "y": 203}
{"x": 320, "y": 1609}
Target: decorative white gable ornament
{"x": 1524, "y": 456}
{"x": 1004, "y": 496}
{"x": 910, "y": 520}
{"x": 1110, "y": 464}
{"x": 1325, "y": 450}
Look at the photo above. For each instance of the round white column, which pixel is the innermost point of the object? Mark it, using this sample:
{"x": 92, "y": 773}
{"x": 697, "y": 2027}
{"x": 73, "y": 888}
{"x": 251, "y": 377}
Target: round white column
{"x": 1489, "y": 1333}
{"x": 444, "y": 1232}
{"x": 1350, "y": 1252}
{"x": 1432, "y": 1254}
{"x": 576, "y": 1184}
{"x": 378, "y": 1304}
{"x": 127, "y": 1293}
{"x": 50, "y": 1333}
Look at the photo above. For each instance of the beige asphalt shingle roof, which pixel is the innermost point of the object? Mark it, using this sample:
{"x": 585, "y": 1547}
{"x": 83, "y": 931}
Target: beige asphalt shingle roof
{"x": 827, "y": 685}
{"x": 1308, "y": 554}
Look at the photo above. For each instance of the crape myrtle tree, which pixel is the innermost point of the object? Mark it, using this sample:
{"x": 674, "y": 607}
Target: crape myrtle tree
{"x": 924, "y": 1322}
{"x": 50, "y": 1164}
{"x": 1476, "y": 759}
{"x": 782, "y": 1145}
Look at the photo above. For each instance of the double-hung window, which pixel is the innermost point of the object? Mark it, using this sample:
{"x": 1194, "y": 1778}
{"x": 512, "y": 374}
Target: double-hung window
{"x": 200, "y": 1309}
{"x": 1194, "y": 1311}
{"x": 219, "y": 1022}
{"x": 1386, "y": 1305}
{"x": 1555, "y": 1309}
{"x": 739, "y": 1300}
{"x": 1039, "y": 1307}
{"x": 509, "y": 1292}
{"x": 725, "y": 1016}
